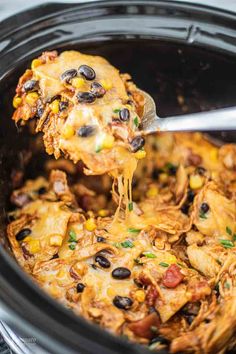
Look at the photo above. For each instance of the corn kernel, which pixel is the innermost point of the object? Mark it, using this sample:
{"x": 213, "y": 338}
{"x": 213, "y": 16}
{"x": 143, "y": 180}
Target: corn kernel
{"x": 61, "y": 273}
{"x": 35, "y": 63}
{"x": 68, "y": 131}
{"x": 32, "y": 98}
{"x": 140, "y": 295}
{"x": 140, "y": 154}
{"x": 171, "y": 259}
{"x": 55, "y": 106}
{"x": 215, "y": 175}
{"x": 103, "y": 212}
{"x": 28, "y": 239}
{"x": 128, "y": 106}
{"x": 108, "y": 142}
{"x": 34, "y": 246}
{"x": 53, "y": 290}
{"x": 111, "y": 292}
{"x": 80, "y": 268}
{"x": 195, "y": 181}
{"x": 106, "y": 84}
{"x": 90, "y": 224}
{"x": 16, "y": 101}
{"x": 152, "y": 192}
{"x": 163, "y": 177}
{"x": 214, "y": 155}
{"x": 55, "y": 240}
{"x": 77, "y": 82}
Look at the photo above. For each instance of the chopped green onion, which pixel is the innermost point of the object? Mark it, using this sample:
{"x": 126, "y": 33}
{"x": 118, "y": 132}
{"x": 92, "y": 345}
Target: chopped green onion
{"x": 234, "y": 237}
{"x": 136, "y": 122}
{"x": 226, "y": 243}
{"x": 138, "y": 261}
{"x": 72, "y": 246}
{"x": 202, "y": 215}
{"x": 127, "y": 244}
{"x": 130, "y": 206}
{"x": 72, "y": 236}
{"x": 124, "y": 244}
{"x": 227, "y": 285}
{"x": 117, "y": 245}
{"x": 169, "y": 166}
{"x": 163, "y": 264}
{"x": 117, "y": 110}
{"x": 229, "y": 231}
{"x": 133, "y": 230}
{"x": 98, "y": 149}
{"x": 149, "y": 255}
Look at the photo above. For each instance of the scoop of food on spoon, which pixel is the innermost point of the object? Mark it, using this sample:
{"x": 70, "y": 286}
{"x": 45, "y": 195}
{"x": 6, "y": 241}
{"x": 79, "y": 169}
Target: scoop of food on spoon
{"x": 220, "y": 119}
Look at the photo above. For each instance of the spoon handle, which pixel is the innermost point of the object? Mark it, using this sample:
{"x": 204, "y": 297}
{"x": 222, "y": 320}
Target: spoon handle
{"x": 221, "y": 119}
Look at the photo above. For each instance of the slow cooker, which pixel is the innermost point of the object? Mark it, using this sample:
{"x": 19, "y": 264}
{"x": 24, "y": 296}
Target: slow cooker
{"x": 170, "y": 48}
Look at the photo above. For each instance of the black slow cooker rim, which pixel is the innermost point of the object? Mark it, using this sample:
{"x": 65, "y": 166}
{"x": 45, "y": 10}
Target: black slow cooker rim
{"x": 58, "y": 328}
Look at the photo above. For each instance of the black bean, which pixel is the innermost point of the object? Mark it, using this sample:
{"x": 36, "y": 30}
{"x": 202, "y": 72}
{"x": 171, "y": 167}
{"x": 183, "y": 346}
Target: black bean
{"x": 204, "y": 208}
{"x": 30, "y": 85}
{"x": 122, "y": 302}
{"x": 102, "y": 261}
{"x": 55, "y": 256}
{"x": 200, "y": 170}
{"x": 156, "y": 173}
{"x": 185, "y": 209}
{"x": 101, "y": 239}
{"x": 42, "y": 190}
{"x": 124, "y": 115}
{"x": 80, "y": 287}
{"x": 121, "y": 273}
{"x": 159, "y": 339}
{"x": 68, "y": 75}
{"x": 86, "y": 97}
{"x": 87, "y": 72}
{"x": 85, "y": 131}
{"x": 40, "y": 111}
{"x": 22, "y": 234}
{"x": 63, "y": 105}
{"x": 172, "y": 170}
{"x": 137, "y": 143}
{"x": 98, "y": 90}
{"x": 191, "y": 195}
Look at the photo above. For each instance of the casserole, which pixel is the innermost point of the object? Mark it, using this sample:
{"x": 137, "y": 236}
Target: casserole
{"x": 108, "y": 29}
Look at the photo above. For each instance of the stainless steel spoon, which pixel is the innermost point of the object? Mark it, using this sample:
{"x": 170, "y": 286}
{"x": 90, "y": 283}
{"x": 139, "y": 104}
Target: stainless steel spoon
{"x": 220, "y": 119}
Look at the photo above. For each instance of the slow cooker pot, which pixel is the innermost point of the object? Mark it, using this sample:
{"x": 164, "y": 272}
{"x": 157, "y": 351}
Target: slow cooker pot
{"x": 170, "y": 49}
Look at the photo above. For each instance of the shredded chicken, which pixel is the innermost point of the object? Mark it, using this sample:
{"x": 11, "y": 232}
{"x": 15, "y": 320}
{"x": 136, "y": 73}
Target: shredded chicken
{"x": 155, "y": 262}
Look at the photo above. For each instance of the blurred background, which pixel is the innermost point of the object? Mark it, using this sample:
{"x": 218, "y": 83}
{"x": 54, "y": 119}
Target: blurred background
{"x": 8, "y": 7}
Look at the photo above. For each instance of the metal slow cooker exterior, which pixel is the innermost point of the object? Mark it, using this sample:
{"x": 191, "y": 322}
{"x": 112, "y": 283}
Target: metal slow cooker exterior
{"x": 42, "y": 322}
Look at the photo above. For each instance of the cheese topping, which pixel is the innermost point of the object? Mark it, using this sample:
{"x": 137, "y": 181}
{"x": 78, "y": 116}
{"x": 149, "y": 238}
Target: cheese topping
{"x": 155, "y": 263}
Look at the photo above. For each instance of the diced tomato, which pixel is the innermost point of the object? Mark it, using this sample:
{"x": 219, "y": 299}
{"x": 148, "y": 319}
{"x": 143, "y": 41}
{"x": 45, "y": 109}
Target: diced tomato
{"x": 143, "y": 328}
{"x": 172, "y": 276}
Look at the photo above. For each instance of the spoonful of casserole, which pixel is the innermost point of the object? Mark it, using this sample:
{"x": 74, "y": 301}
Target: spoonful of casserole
{"x": 85, "y": 109}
